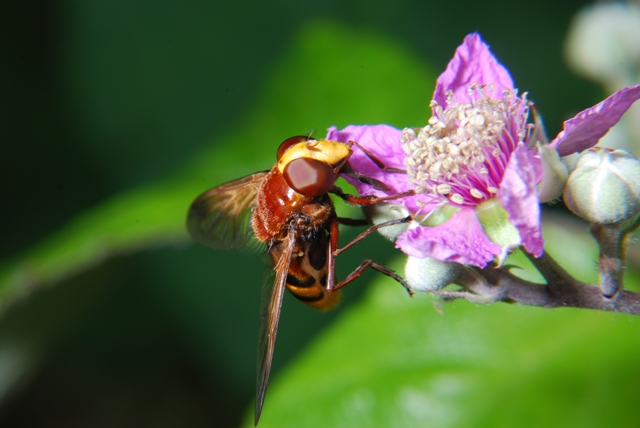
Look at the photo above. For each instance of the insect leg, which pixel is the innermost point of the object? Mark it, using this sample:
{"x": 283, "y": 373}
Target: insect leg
{"x": 373, "y": 228}
{"x": 367, "y": 200}
{"x": 380, "y": 268}
{"x": 377, "y": 160}
{"x": 373, "y": 182}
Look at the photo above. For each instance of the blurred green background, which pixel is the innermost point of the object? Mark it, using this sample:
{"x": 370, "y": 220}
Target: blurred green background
{"x": 116, "y": 115}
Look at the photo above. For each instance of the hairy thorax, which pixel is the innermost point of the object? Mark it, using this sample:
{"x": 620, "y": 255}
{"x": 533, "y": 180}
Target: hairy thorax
{"x": 279, "y": 208}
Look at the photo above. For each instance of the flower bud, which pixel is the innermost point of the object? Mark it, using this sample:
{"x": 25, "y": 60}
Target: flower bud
{"x": 554, "y": 174}
{"x": 605, "y": 186}
{"x": 379, "y": 213}
{"x": 429, "y": 274}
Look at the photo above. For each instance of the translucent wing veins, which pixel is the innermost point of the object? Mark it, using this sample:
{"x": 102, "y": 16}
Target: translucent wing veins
{"x": 220, "y": 217}
{"x": 270, "y": 305}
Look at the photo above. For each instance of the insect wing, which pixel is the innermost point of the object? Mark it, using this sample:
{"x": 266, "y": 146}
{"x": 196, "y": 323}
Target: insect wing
{"x": 270, "y": 304}
{"x": 220, "y": 218}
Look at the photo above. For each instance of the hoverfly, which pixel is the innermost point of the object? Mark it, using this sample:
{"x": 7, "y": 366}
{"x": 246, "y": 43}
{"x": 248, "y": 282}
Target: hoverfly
{"x": 289, "y": 209}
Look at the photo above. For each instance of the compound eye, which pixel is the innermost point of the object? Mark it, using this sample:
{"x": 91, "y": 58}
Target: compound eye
{"x": 309, "y": 177}
{"x": 291, "y": 141}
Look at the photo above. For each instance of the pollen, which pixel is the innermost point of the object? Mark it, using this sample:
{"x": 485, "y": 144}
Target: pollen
{"x": 443, "y": 189}
{"x": 462, "y": 152}
{"x": 476, "y": 193}
{"x": 458, "y": 199}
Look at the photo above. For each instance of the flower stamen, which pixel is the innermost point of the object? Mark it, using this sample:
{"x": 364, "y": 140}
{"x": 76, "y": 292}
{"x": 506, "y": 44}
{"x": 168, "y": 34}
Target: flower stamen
{"x": 462, "y": 152}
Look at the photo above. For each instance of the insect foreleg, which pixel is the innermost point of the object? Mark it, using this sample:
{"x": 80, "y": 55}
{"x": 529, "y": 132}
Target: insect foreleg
{"x": 380, "y": 268}
{"x": 371, "y": 229}
{"x": 367, "y": 200}
{"x": 377, "y": 160}
{"x": 373, "y": 182}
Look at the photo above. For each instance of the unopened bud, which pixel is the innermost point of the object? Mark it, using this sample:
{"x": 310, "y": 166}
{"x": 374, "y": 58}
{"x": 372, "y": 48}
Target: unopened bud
{"x": 554, "y": 174}
{"x": 379, "y": 213}
{"x": 605, "y": 186}
{"x": 430, "y": 274}
{"x": 554, "y": 171}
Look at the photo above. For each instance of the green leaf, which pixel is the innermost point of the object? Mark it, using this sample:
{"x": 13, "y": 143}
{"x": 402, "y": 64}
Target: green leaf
{"x": 332, "y": 75}
{"x": 394, "y": 361}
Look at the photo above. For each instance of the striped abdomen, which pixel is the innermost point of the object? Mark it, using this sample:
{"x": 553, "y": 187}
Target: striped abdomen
{"x": 307, "y": 277}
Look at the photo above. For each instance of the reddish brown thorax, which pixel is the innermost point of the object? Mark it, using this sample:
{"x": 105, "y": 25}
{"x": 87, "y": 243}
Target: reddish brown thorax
{"x": 277, "y": 205}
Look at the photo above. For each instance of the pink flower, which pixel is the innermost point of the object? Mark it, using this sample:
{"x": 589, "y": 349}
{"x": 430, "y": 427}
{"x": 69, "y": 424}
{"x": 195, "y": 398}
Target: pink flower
{"x": 475, "y": 167}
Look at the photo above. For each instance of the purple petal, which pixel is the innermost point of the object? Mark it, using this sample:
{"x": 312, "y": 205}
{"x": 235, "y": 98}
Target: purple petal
{"x": 461, "y": 239}
{"x": 585, "y": 129}
{"x": 473, "y": 62}
{"x": 519, "y": 197}
{"x": 384, "y": 142}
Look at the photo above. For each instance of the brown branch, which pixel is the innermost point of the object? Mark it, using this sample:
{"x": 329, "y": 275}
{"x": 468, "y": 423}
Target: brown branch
{"x": 499, "y": 285}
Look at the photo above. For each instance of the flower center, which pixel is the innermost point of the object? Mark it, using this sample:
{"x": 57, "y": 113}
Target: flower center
{"x": 462, "y": 153}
